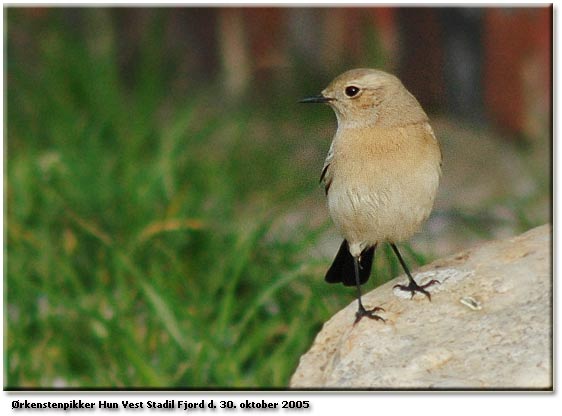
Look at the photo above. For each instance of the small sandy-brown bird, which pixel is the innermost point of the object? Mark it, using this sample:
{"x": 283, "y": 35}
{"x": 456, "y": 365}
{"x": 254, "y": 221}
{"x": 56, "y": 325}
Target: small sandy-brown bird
{"x": 381, "y": 173}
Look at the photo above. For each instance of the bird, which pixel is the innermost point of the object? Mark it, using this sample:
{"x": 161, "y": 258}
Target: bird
{"x": 381, "y": 174}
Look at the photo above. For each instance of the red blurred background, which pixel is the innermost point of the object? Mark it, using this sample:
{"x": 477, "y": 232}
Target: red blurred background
{"x": 483, "y": 64}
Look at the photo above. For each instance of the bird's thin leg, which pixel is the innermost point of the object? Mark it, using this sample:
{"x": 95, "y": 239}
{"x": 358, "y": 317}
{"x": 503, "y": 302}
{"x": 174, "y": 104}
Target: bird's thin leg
{"x": 412, "y": 287}
{"x": 361, "y": 311}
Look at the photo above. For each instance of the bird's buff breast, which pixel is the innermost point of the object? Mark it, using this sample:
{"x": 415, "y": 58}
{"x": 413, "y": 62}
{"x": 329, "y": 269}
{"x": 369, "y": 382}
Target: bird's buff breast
{"x": 367, "y": 215}
{"x": 372, "y": 200}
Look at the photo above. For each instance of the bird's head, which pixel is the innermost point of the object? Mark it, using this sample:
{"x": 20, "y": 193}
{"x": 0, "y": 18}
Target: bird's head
{"x": 367, "y": 97}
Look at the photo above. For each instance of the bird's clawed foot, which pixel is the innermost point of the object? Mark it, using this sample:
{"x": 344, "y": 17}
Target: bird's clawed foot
{"x": 413, "y": 287}
{"x": 372, "y": 314}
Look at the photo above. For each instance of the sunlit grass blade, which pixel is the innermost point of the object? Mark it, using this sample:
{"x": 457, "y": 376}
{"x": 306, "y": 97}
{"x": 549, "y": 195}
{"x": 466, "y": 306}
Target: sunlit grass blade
{"x": 165, "y": 314}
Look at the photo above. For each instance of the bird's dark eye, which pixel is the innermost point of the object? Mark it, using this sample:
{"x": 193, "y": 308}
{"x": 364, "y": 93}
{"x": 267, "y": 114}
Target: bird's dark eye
{"x": 351, "y": 91}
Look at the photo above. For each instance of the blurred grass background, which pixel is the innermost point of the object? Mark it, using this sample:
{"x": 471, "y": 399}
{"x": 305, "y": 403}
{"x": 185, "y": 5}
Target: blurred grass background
{"x": 159, "y": 233}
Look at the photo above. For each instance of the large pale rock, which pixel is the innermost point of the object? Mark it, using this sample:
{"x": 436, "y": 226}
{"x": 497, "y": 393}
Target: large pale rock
{"x": 488, "y": 326}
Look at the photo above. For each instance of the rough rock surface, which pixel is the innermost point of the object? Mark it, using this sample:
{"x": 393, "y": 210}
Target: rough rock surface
{"x": 488, "y": 326}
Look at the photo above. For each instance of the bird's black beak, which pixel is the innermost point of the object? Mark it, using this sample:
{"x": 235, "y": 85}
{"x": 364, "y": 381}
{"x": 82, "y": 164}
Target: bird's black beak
{"x": 316, "y": 99}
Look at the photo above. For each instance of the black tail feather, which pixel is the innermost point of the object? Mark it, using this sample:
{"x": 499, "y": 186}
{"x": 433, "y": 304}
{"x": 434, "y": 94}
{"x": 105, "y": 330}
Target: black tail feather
{"x": 343, "y": 269}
